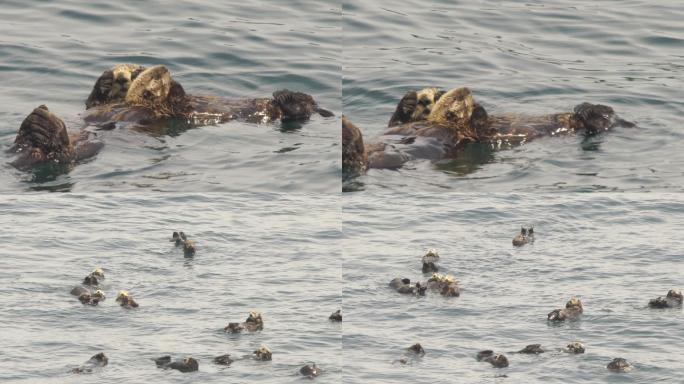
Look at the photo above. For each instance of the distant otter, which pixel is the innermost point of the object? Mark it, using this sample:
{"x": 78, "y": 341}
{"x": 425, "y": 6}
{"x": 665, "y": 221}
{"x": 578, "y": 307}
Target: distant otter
{"x": 132, "y": 93}
{"x": 262, "y": 354}
{"x": 429, "y": 260}
{"x": 310, "y": 371}
{"x": 188, "y": 364}
{"x": 412, "y": 352}
{"x": 619, "y": 364}
{"x": 575, "y": 347}
{"x": 254, "y": 322}
{"x": 455, "y": 120}
{"x": 189, "y": 248}
{"x": 573, "y": 308}
{"x": 336, "y": 316}
{"x": 445, "y": 284}
{"x": 92, "y": 299}
{"x": 673, "y": 299}
{"x": 97, "y": 361}
{"x": 525, "y": 236}
{"x": 497, "y": 360}
{"x": 403, "y": 285}
{"x": 532, "y": 349}
{"x": 43, "y": 139}
{"x": 125, "y": 300}
{"x": 223, "y": 360}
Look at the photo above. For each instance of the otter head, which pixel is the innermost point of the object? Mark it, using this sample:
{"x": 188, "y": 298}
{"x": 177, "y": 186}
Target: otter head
{"x": 354, "y": 155}
{"x": 619, "y": 364}
{"x": 255, "y": 318}
{"x": 44, "y": 136}
{"x": 263, "y": 353}
{"x": 191, "y": 364}
{"x": 595, "y": 117}
{"x": 675, "y": 294}
{"x": 417, "y": 349}
{"x": 122, "y": 296}
{"x": 100, "y": 359}
{"x": 415, "y": 106}
{"x": 457, "y": 108}
{"x": 99, "y": 295}
{"x": 498, "y": 360}
{"x": 574, "y": 303}
{"x": 113, "y": 84}
{"x": 297, "y": 106}
{"x": 150, "y": 87}
{"x": 97, "y": 272}
{"x": 575, "y": 347}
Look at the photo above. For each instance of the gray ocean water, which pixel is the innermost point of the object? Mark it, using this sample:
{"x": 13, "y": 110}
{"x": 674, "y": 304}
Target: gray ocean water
{"x": 276, "y": 254}
{"x": 614, "y": 252}
{"x": 532, "y": 57}
{"x": 51, "y": 52}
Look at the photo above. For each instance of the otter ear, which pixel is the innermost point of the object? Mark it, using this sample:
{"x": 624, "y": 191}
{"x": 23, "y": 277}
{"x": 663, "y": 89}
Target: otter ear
{"x": 405, "y": 109}
{"x": 101, "y": 89}
{"x": 595, "y": 117}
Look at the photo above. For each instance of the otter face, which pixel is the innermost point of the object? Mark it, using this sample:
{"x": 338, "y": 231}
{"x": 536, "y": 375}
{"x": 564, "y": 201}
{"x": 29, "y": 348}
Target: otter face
{"x": 575, "y": 347}
{"x": 415, "y": 106}
{"x": 44, "y": 135}
{"x": 254, "y": 317}
{"x": 432, "y": 255}
{"x": 151, "y": 86}
{"x": 98, "y": 272}
{"x": 498, "y": 361}
{"x": 99, "y": 295}
{"x": 121, "y": 296}
{"x": 619, "y": 364}
{"x": 297, "y": 106}
{"x": 574, "y": 303}
{"x": 191, "y": 364}
{"x": 453, "y": 107}
{"x": 263, "y": 353}
{"x": 595, "y": 117}
{"x": 113, "y": 84}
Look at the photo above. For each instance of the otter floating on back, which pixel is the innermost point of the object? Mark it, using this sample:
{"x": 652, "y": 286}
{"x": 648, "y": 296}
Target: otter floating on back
{"x": 434, "y": 125}
{"x": 132, "y": 93}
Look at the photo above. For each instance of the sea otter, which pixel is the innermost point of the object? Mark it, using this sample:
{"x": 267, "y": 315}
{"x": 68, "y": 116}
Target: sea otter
{"x": 403, "y": 285}
{"x": 97, "y": 361}
{"x": 443, "y": 129}
{"x": 91, "y": 299}
{"x": 573, "y": 308}
{"x": 412, "y": 353}
{"x": 132, "y": 93}
{"x": 429, "y": 261}
{"x": 575, "y": 347}
{"x": 619, "y": 365}
{"x": 534, "y": 349}
{"x": 525, "y": 236}
{"x": 445, "y": 284}
{"x": 336, "y": 316}
{"x": 262, "y": 354}
{"x": 188, "y": 364}
{"x": 44, "y": 139}
{"x": 496, "y": 359}
{"x": 310, "y": 371}
{"x": 125, "y": 300}
{"x": 672, "y": 299}
{"x": 223, "y": 360}
{"x": 254, "y": 322}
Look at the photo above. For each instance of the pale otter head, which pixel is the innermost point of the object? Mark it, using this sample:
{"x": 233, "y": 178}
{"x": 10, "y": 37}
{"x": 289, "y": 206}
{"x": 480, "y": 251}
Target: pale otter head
{"x": 254, "y": 317}
{"x": 263, "y": 353}
{"x": 574, "y": 303}
{"x": 575, "y": 347}
{"x": 99, "y": 294}
{"x": 113, "y": 84}
{"x": 151, "y": 86}
{"x": 122, "y": 296}
{"x": 44, "y": 136}
{"x": 458, "y": 108}
{"x": 98, "y": 272}
{"x": 415, "y": 106}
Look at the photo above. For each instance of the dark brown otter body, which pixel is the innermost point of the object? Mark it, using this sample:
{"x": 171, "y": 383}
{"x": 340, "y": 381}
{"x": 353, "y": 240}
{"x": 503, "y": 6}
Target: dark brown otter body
{"x": 130, "y": 93}
{"x": 97, "y": 361}
{"x": 44, "y": 139}
{"x": 456, "y": 120}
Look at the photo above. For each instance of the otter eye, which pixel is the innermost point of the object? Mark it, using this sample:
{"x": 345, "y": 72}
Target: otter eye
{"x": 148, "y": 95}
